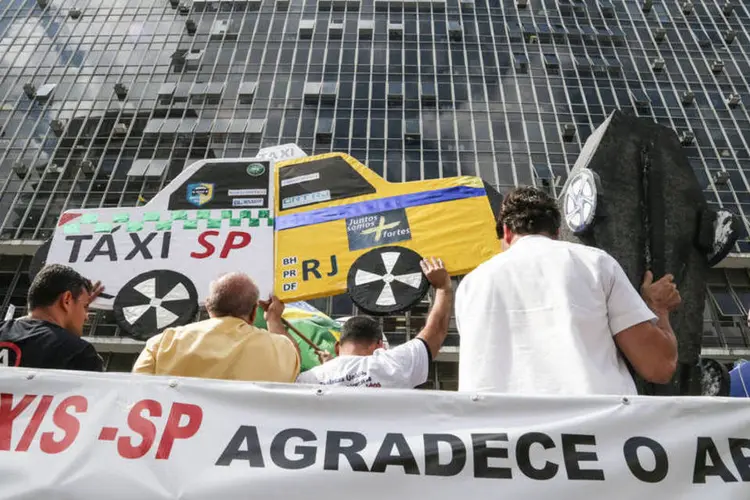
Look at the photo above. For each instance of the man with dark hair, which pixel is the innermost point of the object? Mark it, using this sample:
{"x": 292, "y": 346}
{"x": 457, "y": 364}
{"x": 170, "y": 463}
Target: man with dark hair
{"x": 548, "y": 316}
{"x": 50, "y": 335}
{"x": 228, "y": 345}
{"x": 361, "y": 360}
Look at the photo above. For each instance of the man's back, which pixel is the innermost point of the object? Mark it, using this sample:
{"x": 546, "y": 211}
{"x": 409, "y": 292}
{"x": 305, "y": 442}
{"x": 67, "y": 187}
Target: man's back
{"x": 34, "y": 343}
{"x": 403, "y": 367}
{"x": 540, "y": 319}
{"x": 222, "y": 348}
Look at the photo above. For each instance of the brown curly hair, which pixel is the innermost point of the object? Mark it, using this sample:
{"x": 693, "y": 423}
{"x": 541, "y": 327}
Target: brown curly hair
{"x": 527, "y": 210}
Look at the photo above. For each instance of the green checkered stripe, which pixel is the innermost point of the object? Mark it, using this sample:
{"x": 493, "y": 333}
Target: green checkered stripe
{"x": 189, "y": 220}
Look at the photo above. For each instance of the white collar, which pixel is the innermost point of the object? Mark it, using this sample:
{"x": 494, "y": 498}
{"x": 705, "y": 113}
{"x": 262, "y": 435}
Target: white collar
{"x": 528, "y": 237}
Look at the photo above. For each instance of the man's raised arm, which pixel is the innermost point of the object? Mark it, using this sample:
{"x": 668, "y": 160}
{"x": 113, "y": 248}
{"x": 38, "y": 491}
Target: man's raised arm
{"x": 272, "y": 310}
{"x": 436, "y": 328}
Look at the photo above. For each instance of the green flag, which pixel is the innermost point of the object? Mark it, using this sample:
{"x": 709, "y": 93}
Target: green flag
{"x": 313, "y": 324}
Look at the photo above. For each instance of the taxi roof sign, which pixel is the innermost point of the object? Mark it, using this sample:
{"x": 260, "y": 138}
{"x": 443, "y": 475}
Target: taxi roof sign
{"x": 281, "y": 152}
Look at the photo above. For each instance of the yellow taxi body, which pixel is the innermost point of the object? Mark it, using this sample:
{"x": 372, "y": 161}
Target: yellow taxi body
{"x": 331, "y": 209}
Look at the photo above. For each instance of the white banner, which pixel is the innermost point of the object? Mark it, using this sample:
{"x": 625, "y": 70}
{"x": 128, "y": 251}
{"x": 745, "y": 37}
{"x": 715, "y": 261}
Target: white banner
{"x": 117, "y": 436}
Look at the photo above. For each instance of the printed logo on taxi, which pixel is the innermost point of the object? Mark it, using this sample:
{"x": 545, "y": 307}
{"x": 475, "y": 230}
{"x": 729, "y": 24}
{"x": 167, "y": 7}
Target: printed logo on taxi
{"x": 199, "y": 194}
{"x": 377, "y": 229}
{"x": 256, "y": 169}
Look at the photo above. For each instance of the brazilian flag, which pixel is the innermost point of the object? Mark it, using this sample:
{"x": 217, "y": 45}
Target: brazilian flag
{"x": 316, "y": 326}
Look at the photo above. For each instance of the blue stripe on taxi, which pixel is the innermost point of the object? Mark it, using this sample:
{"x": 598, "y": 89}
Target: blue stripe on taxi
{"x": 361, "y": 208}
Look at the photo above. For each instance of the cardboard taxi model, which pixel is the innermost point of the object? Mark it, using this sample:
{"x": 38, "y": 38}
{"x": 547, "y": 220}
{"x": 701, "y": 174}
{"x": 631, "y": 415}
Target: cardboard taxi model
{"x": 157, "y": 260}
{"x": 339, "y": 227}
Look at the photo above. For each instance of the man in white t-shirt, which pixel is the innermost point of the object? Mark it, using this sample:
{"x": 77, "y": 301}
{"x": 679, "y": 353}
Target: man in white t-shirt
{"x": 361, "y": 360}
{"x": 548, "y": 316}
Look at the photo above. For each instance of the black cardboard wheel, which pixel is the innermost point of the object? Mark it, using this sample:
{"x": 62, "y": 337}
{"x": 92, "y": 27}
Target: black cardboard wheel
{"x": 387, "y": 280}
{"x": 154, "y": 301}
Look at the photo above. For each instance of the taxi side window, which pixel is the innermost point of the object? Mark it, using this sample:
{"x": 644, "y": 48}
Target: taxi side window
{"x": 224, "y": 185}
{"x": 319, "y": 181}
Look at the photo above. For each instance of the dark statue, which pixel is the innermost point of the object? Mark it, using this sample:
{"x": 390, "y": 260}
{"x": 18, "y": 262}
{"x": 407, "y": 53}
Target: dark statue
{"x": 633, "y": 193}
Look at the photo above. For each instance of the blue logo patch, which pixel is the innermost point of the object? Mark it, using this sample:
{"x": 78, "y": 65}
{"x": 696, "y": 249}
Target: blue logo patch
{"x": 200, "y": 194}
{"x": 382, "y": 228}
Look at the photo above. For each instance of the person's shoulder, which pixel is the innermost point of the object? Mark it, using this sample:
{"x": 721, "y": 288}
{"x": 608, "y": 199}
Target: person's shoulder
{"x": 154, "y": 341}
{"x": 256, "y": 330}
{"x": 69, "y": 341}
{"x": 481, "y": 271}
{"x": 27, "y": 324}
{"x": 276, "y": 338}
{"x": 75, "y": 341}
{"x": 320, "y": 373}
{"x": 42, "y": 333}
{"x": 281, "y": 342}
{"x": 606, "y": 261}
{"x": 40, "y": 327}
{"x": 401, "y": 352}
{"x": 415, "y": 343}
{"x": 484, "y": 275}
{"x": 85, "y": 348}
{"x": 584, "y": 250}
{"x": 317, "y": 371}
{"x": 178, "y": 335}
{"x": 593, "y": 258}
{"x": 13, "y": 329}
{"x": 191, "y": 329}
{"x": 85, "y": 357}
{"x": 308, "y": 377}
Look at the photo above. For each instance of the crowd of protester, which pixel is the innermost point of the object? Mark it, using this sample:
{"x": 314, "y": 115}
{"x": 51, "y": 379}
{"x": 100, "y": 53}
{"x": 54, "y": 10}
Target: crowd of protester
{"x": 542, "y": 317}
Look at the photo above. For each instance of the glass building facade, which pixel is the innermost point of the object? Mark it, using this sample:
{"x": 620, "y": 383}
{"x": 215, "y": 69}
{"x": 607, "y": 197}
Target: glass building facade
{"x": 103, "y": 102}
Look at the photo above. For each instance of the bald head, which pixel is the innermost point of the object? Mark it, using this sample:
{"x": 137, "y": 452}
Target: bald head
{"x": 233, "y": 294}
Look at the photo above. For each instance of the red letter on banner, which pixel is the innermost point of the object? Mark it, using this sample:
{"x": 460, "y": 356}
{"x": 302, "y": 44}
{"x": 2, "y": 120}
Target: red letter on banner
{"x": 173, "y": 430}
{"x": 65, "y": 421}
{"x": 140, "y": 425}
{"x": 210, "y": 249}
{"x": 8, "y": 414}
{"x": 244, "y": 240}
{"x": 34, "y": 423}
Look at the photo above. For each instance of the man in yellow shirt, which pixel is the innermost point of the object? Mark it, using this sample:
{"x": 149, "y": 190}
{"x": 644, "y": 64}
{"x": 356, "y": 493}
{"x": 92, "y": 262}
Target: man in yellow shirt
{"x": 226, "y": 346}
